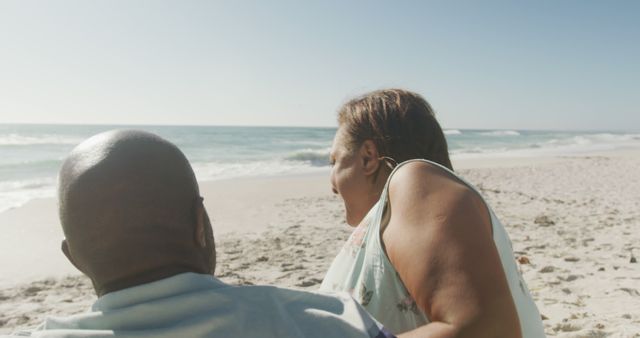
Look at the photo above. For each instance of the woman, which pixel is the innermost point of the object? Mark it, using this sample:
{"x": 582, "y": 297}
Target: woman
{"x": 427, "y": 258}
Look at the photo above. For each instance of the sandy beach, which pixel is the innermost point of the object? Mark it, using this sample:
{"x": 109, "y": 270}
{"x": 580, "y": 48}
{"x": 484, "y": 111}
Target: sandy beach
{"x": 573, "y": 221}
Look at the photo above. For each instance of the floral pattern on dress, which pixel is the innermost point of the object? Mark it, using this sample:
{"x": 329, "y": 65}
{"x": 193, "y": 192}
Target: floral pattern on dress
{"x": 356, "y": 241}
{"x": 365, "y": 295}
{"x": 408, "y": 304}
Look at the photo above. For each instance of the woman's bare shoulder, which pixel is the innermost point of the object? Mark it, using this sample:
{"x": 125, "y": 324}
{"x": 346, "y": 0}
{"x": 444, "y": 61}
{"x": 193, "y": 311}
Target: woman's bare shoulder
{"x": 424, "y": 179}
{"x": 424, "y": 191}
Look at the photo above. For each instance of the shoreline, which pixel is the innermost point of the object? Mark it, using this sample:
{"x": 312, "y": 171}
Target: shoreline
{"x": 234, "y": 205}
{"x": 573, "y": 218}
{"x": 511, "y": 158}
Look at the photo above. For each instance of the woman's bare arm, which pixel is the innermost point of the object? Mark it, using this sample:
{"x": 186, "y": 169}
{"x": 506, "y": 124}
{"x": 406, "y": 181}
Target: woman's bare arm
{"x": 439, "y": 239}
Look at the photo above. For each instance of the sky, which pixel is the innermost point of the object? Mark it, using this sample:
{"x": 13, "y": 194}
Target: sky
{"x": 571, "y": 64}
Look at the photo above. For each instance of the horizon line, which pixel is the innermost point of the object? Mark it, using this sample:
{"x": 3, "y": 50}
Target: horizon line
{"x": 283, "y": 126}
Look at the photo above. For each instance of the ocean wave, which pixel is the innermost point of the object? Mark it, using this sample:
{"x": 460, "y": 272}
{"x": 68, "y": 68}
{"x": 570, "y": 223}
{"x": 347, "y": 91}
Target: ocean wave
{"x": 616, "y": 137}
{"x": 236, "y": 156}
{"x": 23, "y": 140}
{"x": 16, "y": 193}
{"x": 29, "y": 164}
{"x": 558, "y": 144}
{"x": 316, "y": 157}
{"x": 308, "y": 143}
{"x": 580, "y": 140}
{"x": 28, "y": 184}
{"x": 607, "y": 140}
{"x": 211, "y": 171}
{"x": 477, "y": 151}
{"x": 501, "y": 133}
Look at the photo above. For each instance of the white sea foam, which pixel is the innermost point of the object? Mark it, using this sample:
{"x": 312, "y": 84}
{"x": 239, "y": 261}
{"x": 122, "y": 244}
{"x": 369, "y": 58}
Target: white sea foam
{"x": 501, "y": 133}
{"x": 16, "y": 193}
{"x": 23, "y": 140}
{"x": 27, "y": 170}
{"x": 452, "y": 132}
{"x": 212, "y": 171}
{"x": 315, "y": 157}
{"x": 607, "y": 137}
{"x": 568, "y": 145}
{"x": 308, "y": 143}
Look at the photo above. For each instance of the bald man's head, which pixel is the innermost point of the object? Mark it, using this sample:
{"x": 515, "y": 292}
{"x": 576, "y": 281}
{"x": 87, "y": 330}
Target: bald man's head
{"x": 131, "y": 211}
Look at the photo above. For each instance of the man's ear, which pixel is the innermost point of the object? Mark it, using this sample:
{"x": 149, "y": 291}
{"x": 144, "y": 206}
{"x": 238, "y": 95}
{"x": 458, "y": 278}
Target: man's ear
{"x": 369, "y": 157}
{"x": 65, "y": 250}
{"x": 200, "y": 232}
{"x": 203, "y": 237}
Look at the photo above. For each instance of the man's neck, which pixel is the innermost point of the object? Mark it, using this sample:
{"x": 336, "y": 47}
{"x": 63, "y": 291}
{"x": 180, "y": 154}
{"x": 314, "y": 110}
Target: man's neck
{"x": 143, "y": 277}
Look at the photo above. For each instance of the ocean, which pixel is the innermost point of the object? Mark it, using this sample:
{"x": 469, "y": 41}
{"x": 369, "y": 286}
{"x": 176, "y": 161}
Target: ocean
{"x": 30, "y": 155}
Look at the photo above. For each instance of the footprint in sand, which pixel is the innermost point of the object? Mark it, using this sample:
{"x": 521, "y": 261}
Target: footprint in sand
{"x": 31, "y": 291}
{"x": 547, "y": 269}
{"x": 309, "y": 282}
{"x": 567, "y": 327}
{"x": 569, "y": 278}
{"x": 289, "y": 267}
{"x": 630, "y": 291}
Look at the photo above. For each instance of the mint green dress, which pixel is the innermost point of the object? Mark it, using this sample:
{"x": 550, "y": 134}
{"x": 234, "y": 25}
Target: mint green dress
{"x": 363, "y": 269}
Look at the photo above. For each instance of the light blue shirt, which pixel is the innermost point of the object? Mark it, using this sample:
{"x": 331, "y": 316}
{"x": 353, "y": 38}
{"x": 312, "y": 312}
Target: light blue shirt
{"x": 196, "y": 305}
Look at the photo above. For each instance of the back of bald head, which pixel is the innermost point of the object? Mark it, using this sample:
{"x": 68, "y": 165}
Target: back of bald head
{"x": 128, "y": 204}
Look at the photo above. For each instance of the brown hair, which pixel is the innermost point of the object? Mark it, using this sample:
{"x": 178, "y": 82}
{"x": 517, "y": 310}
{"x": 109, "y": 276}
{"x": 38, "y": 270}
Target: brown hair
{"x": 401, "y": 123}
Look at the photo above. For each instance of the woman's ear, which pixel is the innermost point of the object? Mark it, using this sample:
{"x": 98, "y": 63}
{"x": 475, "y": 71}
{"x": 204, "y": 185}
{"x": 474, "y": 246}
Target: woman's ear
{"x": 370, "y": 157}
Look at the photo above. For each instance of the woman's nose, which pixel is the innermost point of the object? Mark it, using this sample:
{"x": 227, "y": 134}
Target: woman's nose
{"x": 334, "y": 190}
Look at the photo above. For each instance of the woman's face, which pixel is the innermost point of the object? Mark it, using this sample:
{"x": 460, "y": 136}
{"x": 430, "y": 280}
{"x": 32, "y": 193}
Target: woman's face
{"x": 348, "y": 179}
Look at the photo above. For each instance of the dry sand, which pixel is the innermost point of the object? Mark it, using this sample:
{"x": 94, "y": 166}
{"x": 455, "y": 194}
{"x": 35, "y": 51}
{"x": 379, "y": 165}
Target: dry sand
{"x": 574, "y": 223}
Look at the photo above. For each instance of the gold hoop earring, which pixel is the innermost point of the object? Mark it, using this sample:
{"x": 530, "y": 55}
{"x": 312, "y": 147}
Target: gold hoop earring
{"x": 390, "y": 162}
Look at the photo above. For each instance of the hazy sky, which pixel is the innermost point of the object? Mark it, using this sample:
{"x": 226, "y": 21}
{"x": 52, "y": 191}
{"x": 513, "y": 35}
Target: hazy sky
{"x": 482, "y": 64}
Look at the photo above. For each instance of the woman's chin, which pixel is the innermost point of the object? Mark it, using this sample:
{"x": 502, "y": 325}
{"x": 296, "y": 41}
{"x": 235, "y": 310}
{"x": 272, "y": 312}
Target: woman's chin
{"x": 354, "y": 220}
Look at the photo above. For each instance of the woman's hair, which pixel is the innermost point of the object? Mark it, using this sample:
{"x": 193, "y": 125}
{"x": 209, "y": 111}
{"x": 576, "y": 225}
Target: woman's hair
{"x": 400, "y": 123}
